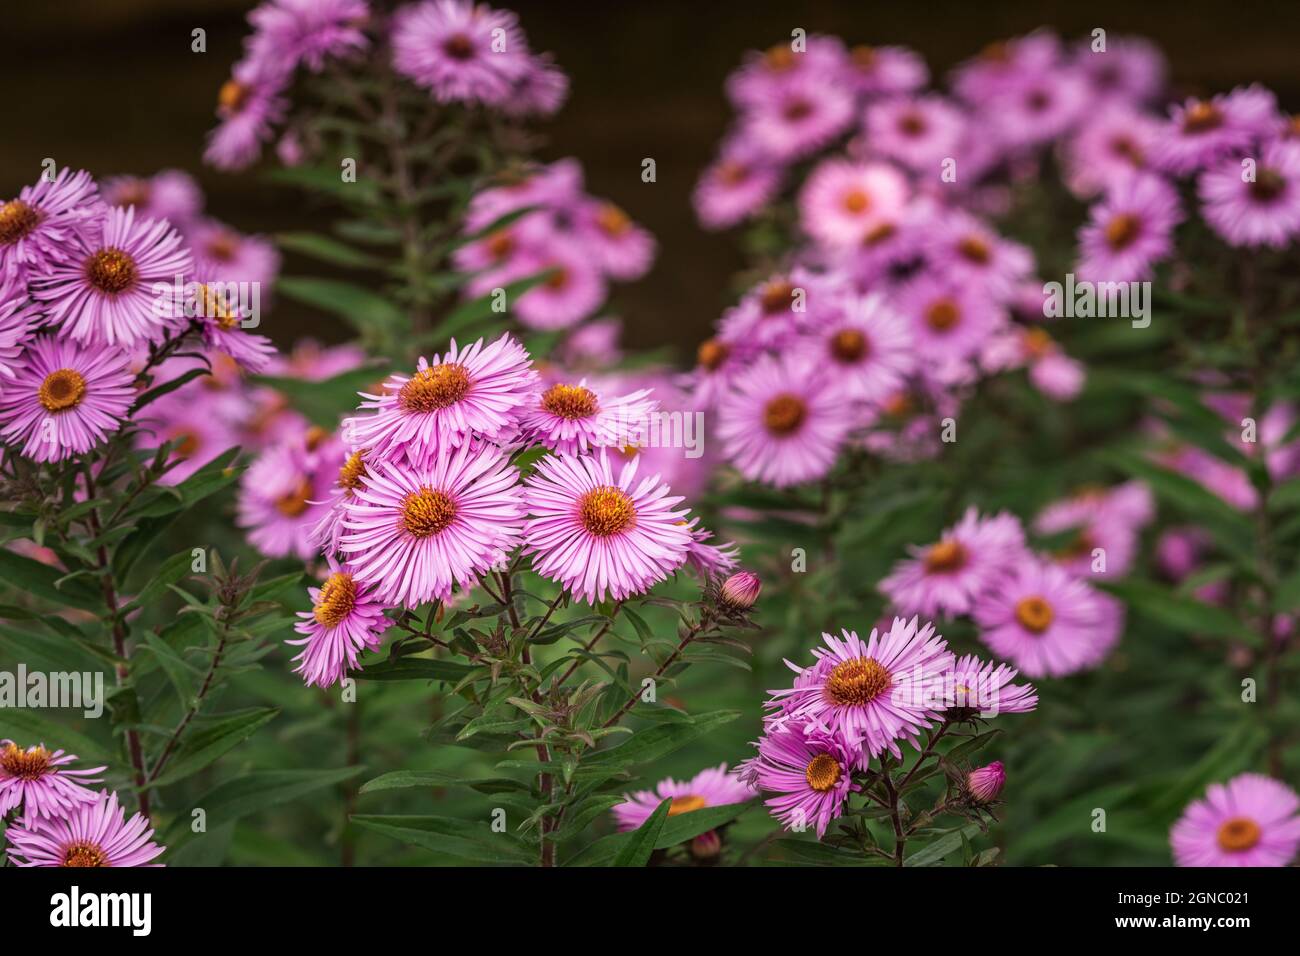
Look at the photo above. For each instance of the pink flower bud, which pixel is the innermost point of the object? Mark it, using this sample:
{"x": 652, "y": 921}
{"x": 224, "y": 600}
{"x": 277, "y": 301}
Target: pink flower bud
{"x": 986, "y": 783}
{"x": 740, "y": 591}
{"x": 706, "y": 846}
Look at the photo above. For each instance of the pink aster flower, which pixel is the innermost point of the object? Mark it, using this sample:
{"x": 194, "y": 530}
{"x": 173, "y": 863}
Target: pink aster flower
{"x": 1249, "y": 821}
{"x": 968, "y": 250}
{"x": 809, "y": 768}
{"x": 18, "y": 318}
{"x": 572, "y": 418}
{"x": 766, "y": 73}
{"x": 95, "y": 833}
{"x": 709, "y": 561}
{"x": 1105, "y": 520}
{"x": 413, "y": 533}
{"x": 600, "y": 536}
{"x": 866, "y": 345}
{"x": 222, "y": 324}
{"x": 986, "y": 687}
{"x": 713, "y": 787}
{"x": 1046, "y": 621}
{"x": 460, "y": 51}
{"x": 289, "y": 32}
{"x": 1004, "y": 66}
{"x": 946, "y": 578}
{"x": 1262, "y": 212}
{"x": 918, "y": 131}
{"x": 249, "y": 105}
{"x": 1130, "y": 70}
{"x": 884, "y": 70}
{"x": 736, "y": 186}
{"x": 223, "y": 254}
{"x": 718, "y": 362}
{"x": 1129, "y": 230}
{"x": 1110, "y": 148}
{"x": 345, "y": 619}
{"x": 769, "y": 316}
{"x": 1199, "y": 133}
{"x": 949, "y": 321}
{"x": 574, "y": 289}
{"x": 63, "y": 400}
{"x": 799, "y": 117}
{"x": 539, "y": 91}
{"x": 280, "y": 501}
{"x": 870, "y": 693}
{"x": 199, "y": 431}
{"x": 170, "y": 194}
{"x": 37, "y": 227}
{"x": 477, "y": 390}
{"x": 782, "y": 423}
{"x": 39, "y": 781}
{"x": 843, "y": 202}
{"x": 351, "y": 472}
{"x": 557, "y": 185}
{"x": 623, "y": 249}
{"x": 116, "y": 288}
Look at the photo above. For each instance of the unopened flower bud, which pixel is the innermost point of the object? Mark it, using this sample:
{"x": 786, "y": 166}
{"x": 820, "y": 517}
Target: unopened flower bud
{"x": 986, "y": 783}
{"x": 740, "y": 591}
{"x": 706, "y": 846}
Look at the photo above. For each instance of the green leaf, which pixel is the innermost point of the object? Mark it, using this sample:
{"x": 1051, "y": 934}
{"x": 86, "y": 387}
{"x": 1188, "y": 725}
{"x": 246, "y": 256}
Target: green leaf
{"x": 475, "y": 311}
{"x": 1184, "y": 614}
{"x": 359, "y": 307}
{"x": 26, "y": 727}
{"x": 676, "y": 830}
{"x": 408, "y": 779}
{"x": 327, "y": 401}
{"x": 327, "y": 250}
{"x": 640, "y": 845}
{"x": 258, "y": 790}
{"x": 935, "y": 852}
{"x": 32, "y": 577}
{"x": 158, "y": 391}
{"x": 413, "y": 668}
{"x": 204, "y": 745}
{"x": 208, "y": 480}
{"x": 463, "y": 839}
{"x": 653, "y": 743}
{"x": 171, "y": 571}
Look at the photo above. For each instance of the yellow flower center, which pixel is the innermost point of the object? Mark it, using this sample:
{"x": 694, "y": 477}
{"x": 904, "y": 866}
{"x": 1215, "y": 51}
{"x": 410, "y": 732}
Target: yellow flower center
{"x": 427, "y": 512}
{"x": 111, "y": 271}
{"x": 353, "y": 470}
{"x": 856, "y": 201}
{"x": 823, "y": 772}
{"x": 338, "y": 596}
{"x": 569, "y": 401}
{"x": 607, "y": 511}
{"x": 612, "y": 220}
{"x": 435, "y": 387}
{"x": 17, "y": 219}
{"x": 232, "y": 96}
{"x": 857, "y": 682}
{"x": 1201, "y": 117}
{"x": 1238, "y": 834}
{"x": 712, "y": 354}
{"x": 61, "y": 390}
{"x": 1034, "y": 614}
{"x": 24, "y": 764}
{"x": 84, "y": 854}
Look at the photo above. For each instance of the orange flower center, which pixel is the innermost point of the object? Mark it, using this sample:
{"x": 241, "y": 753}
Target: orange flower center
{"x": 459, "y": 47}
{"x": 1122, "y": 230}
{"x": 353, "y": 470}
{"x": 857, "y": 682}
{"x": 435, "y": 387}
{"x": 1201, "y": 117}
{"x": 427, "y": 512}
{"x": 777, "y": 296}
{"x": 784, "y": 414}
{"x": 111, "y": 271}
{"x": 84, "y": 854}
{"x": 570, "y": 401}
{"x": 294, "y": 502}
{"x": 946, "y": 556}
{"x": 849, "y": 345}
{"x": 974, "y": 249}
{"x": 1034, "y": 614}
{"x": 856, "y": 201}
{"x": 24, "y": 764}
{"x": 1268, "y": 185}
{"x": 612, "y": 220}
{"x": 943, "y": 316}
{"x": 607, "y": 511}
{"x": 686, "y": 804}
{"x": 61, "y": 390}
{"x": 712, "y": 354}
{"x": 232, "y": 96}
{"x": 779, "y": 58}
{"x": 1238, "y": 834}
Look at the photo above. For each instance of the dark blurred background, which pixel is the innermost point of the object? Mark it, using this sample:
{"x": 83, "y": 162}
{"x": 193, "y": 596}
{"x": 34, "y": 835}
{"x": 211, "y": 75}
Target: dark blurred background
{"x": 111, "y": 85}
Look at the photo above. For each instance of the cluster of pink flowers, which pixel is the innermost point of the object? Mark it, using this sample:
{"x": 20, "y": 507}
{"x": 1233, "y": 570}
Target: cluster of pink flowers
{"x": 456, "y": 50}
{"x": 59, "y": 820}
{"x": 580, "y": 242}
{"x": 1041, "y": 611}
{"x": 428, "y": 498}
{"x": 859, "y": 700}
{"x": 91, "y": 282}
